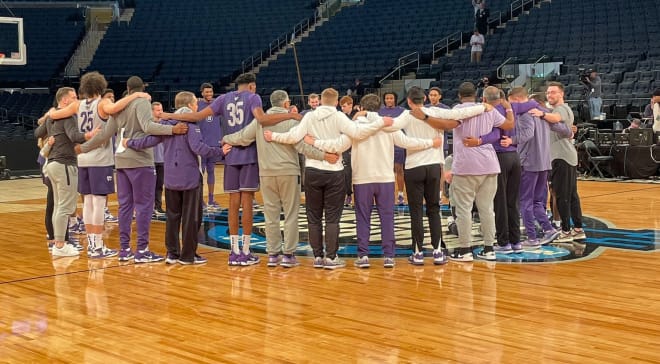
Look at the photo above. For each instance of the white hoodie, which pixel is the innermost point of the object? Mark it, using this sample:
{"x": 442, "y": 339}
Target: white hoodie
{"x": 326, "y": 122}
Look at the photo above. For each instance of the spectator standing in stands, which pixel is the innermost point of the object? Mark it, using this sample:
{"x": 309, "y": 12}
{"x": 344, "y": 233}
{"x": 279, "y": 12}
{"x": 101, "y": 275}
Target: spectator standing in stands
{"x": 159, "y": 163}
{"x": 325, "y": 190}
{"x": 475, "y": 5}
{"x": 477, "y": 42}
{"x": 481, "y": 18}
{"x": 136, "y": 176}
{"x": 241, "y": 174}
{"x": 279, "y": 175}
{"x": 595, "y": 101}
{"x": 183, "y": 182}
{"x": 211, "y": 134}
{"x": 563, "y": 176}
{"x": 392, "y": 109}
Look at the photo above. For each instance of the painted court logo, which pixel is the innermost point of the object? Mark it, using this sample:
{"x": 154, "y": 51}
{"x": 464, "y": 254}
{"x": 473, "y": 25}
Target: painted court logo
{"x": 599, "y": 234}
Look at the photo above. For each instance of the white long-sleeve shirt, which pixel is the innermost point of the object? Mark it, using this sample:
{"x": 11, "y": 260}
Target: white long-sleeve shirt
{"x": 372, "y": 159}
{"x": 327, "y": 123}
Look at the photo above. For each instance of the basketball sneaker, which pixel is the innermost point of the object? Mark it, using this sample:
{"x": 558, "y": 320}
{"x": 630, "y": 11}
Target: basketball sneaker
{"x": 125, "y": 255}
{"x": 504, "y": 249}
{"x": 487, "y": 253}
{"x": 461, "y": 255}
{"x": 171, "y": 258}
{"x": 198, "y": 259}
{"x": 564, "y": 237}
{"x": 439, "y": 257}
{"x": 333, "y": 263}
{"x": 248, "y": 259}
{"x": 362, "y": 262}
{"x": 146, "y": 256}
{"x": 531, "y": 244}
{"x": 549, "y": 236}
{"x": 318, "y": 262}
{"x": 234, "y": 259}
{"x": 108, "y": 217}
{"x": 273, "y": 260}
{"x": 67, "y": 250}
{"x": 578, "y": 234}
{"x": 289, "y": 261}
{"x": 400, "y": 200}
{"x": 388, "y": 262}
{"x": 416, "y": 258}
{"x": 103, "y": 252}
{"x": 517, "y": 248}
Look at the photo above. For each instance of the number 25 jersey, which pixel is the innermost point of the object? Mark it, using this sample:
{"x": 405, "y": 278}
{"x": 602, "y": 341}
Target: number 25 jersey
{"x": 88, "y": 120}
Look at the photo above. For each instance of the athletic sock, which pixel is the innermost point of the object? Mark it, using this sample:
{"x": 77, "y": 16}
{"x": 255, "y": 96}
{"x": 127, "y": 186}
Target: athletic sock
{"x": 246, "y": 243}
{"x": 233, "y": 239}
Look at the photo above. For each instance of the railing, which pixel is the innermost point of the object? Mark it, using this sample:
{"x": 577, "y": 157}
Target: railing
{"x": 447, "y": 42}
{"x": 518, "y": 6}
{"x": 496, "y": 19}
{"x": 501, "y": 66}
{"x": 534, "y": 67}
{"x": 404, "y": 61}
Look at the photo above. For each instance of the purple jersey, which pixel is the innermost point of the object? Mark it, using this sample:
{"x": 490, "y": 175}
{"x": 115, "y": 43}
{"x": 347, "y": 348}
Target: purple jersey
{"x": 236, "y": 110}
{"x": 210, "y": 127}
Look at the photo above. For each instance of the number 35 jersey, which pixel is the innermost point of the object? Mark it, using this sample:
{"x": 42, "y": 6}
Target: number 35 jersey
{"x": 235, "y": 109}
{"x": 88, "y": 120}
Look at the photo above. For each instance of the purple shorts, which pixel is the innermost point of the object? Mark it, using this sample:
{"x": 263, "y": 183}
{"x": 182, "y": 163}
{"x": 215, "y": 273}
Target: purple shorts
{"x": 242, "y": 177}
{"x": 96, "y": 180}
{"x": 399, "y": 155}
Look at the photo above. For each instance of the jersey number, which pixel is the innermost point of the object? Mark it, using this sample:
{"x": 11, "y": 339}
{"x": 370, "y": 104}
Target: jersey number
{"x": 87, "y": 122}
{"x": 235, "y": 113}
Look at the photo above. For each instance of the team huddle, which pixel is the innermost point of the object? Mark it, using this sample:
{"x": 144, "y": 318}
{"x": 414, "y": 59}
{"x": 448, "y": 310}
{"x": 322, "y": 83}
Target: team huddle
{"x": 504, "y": 153}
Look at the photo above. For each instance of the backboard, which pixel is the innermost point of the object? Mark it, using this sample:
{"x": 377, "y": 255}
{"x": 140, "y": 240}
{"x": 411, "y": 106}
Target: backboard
{"x": 13, "y": 51}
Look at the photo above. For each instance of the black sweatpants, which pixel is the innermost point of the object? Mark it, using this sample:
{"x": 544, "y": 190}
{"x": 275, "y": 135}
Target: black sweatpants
{"x": 563, "y": 177}
{"x": 324, "y": 195}
{"x": 507, "y": 199}
{"x": 184, "y": 210}
{"x": 423, "y": 184}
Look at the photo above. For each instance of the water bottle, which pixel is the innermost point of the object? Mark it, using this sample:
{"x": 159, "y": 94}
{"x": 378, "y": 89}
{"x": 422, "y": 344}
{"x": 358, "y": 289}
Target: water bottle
{"x": 618, "y": 126}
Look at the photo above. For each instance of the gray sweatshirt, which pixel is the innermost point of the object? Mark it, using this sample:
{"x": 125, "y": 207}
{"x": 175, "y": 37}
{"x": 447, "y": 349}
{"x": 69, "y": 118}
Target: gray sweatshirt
{"x": 136, "y": 122}
{"x": 66, "y": 134}
{"x": 275, "y": 159}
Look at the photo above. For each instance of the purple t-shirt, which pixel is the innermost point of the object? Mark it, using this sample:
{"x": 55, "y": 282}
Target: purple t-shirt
{"x": 481, "y": 160}
{"x": 210, "y": 127}
{"x": 235, "y": 109}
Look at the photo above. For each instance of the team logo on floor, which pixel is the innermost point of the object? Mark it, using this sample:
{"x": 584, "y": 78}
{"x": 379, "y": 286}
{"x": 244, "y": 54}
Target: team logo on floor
{"x": 598, "y": 235}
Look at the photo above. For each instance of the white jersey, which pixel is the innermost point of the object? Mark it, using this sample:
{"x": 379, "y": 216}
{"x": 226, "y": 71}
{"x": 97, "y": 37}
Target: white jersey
{"x": 88, "y": 120}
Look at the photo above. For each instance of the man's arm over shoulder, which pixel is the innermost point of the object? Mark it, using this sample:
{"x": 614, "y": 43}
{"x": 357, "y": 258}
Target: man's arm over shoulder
{"x": 109, "y": 129}
{"x": 243, "y": 137}
{"x": 197, "y": 145}
{"x": 71, "y": 130}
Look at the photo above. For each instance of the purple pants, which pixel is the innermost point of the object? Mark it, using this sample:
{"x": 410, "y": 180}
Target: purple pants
{"x": 364, "y": 195}
{"x": 135, "y": 191}
{"x": 533, "y": 200}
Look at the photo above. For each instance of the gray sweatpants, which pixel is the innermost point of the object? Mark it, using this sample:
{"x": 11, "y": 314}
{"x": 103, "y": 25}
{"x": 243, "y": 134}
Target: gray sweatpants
{"x": 465, "y": 191}
{"x": 281, "y": 193}
{"x": 65, "y": 193}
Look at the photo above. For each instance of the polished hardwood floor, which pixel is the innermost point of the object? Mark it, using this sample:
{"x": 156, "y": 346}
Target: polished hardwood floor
{"x": 600, "y": 309}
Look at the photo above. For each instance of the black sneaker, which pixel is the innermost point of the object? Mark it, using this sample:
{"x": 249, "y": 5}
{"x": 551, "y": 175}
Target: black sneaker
{"x": 461, "y": 255}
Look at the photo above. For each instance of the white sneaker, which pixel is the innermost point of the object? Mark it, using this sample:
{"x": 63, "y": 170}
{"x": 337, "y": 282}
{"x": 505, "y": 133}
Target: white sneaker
{"x": 67, "y": 250}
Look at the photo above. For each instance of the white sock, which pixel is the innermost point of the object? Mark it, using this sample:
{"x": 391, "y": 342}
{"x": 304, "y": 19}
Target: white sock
{"x": 557, "y": 222}
{"x": 246, "y": 243}
{"x": 233, "y": 240}
{"x": 98, "y": 241}
{"x": 400, "y": 194}
{"x": 91, "y": 241}
{"x": 72, "y": 220}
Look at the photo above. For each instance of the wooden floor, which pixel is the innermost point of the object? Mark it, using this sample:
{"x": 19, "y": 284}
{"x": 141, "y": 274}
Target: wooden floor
{"x": 605, "y": 309}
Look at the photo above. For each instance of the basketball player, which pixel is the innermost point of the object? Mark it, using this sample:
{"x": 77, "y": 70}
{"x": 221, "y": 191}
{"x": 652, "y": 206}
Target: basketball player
{"x": 391, "y": 109}
{"x": 211, "y": 134}
{"x": 241, "y": 174}
{"x": 136, "y": 176}
{"x": 373, "y": 179}
{"x": 325, "y": 189}
{"x": 279, "y": 174}
{"x": 96, "y": 177}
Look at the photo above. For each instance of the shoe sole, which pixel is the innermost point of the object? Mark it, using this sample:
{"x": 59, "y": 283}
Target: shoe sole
{"x": 288, "y": 265}
{"x": 333, "y": 267}
{"x": 440, "y": 262}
